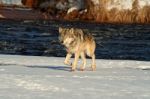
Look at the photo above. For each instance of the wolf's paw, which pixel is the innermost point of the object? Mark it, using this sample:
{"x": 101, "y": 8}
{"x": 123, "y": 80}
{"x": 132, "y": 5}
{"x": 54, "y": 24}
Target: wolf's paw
{"x": 93, "y": 67}
{"x": 73, "y": 70}
{"x": 82, "y": 69}
{"x": 67, "y": 63}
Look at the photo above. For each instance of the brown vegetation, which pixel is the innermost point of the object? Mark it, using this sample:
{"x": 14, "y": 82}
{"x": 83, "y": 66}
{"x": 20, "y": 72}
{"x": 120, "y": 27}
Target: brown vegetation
{"x": 135, "y": 15}
{"x": 17, "y": 14}
{"x": 28, "y": 3}
{"x": 98, "y": 13}
{"x": 32, "y": 3}
{"x": 72, "y": 15}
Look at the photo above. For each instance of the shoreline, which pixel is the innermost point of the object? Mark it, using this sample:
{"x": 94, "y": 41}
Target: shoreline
{"x": 24, "y": 13}
{"x": 18, "y": 13}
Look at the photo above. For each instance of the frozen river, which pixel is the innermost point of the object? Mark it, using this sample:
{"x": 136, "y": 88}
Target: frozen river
{"x": 40, "y": 77}
{"x": 34, "y": 77}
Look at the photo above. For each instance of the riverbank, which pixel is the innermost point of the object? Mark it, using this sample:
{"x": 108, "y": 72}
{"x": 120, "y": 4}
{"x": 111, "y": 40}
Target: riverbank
{"x": 18, "y": 13}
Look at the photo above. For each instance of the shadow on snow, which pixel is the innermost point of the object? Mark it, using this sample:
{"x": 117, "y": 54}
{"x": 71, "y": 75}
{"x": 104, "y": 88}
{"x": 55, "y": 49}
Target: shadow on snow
{"x": 62, "y": 68}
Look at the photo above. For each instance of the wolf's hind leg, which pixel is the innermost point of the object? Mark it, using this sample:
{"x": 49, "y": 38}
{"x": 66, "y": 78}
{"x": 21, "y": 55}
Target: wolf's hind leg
{"x": 77, "y": 54}
{"x": 83, "y": 61}
{"x": 67, "y": 60}
{"x": 93, "y": 62}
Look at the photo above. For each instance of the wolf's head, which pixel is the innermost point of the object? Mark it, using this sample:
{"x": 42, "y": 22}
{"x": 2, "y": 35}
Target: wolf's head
{"x": 66, "y": 36}
{"x": 62, "y": 34}
{"x": 70, "y": 35}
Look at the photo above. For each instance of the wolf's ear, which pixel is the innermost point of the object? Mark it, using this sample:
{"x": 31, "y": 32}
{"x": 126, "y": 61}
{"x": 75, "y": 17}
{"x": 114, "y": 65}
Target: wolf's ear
{"x": 60, "y": 29}
{"x": 81, "y": 36}
{"x": 72, "y": 30}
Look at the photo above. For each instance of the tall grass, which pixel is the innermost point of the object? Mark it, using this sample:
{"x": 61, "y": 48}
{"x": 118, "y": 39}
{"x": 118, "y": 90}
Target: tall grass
{"x": 144, "y": 15}
{"x": 135, "y": 15}
{"x": 100, "y": 13}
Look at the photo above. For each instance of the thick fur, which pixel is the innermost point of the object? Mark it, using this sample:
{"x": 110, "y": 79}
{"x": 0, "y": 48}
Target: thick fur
{"x": 78, "y": 43}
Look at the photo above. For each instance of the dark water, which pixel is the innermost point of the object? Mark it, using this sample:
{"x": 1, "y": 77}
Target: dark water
{"x": 41, "y": 38}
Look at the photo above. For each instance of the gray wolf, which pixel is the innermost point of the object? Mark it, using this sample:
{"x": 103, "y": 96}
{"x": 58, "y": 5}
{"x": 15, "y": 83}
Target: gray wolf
{"x": 78, "y": 43}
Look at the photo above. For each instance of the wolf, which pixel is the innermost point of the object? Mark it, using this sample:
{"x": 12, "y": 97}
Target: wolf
{"x": 79, "y": 43}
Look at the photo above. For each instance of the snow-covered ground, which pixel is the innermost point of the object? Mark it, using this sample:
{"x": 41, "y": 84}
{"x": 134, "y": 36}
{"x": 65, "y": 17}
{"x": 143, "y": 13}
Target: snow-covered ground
{"x": 34, "y": 77}
{"x": 17, "y": 2}
{"x": 121, "y": 4}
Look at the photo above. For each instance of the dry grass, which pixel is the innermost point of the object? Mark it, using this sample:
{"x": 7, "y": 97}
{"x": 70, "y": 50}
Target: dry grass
{"x": 144, "y": 15}
{"x": 135, "y": 15}
{"x": 100, "y": 13}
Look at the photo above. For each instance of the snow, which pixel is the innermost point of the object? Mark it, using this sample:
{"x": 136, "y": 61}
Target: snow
{"x": 95, "y": 2}
{"x": 1, "y": 16}
{"x": 121, "y": 4}
{"x": 17, "y": 2}
{"x": 143, "y": 3}
{"x": 71, "y": 9}
{"x": 36, "y": 77}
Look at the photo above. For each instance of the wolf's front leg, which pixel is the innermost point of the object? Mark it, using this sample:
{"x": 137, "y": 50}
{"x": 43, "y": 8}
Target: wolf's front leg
{"x": 84, "y": 61}
{"x": 67, "y": 60}
{"x": 77, "y": 54}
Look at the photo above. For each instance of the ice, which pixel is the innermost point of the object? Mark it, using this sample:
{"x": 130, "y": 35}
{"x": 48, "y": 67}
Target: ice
{"x": 36, "y": 77}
